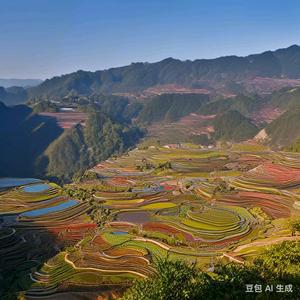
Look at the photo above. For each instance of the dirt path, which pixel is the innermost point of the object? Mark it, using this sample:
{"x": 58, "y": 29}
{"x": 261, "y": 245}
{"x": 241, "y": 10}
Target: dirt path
{"x": 160, "y": 244}
{"x": 238, "y": 260}
{"x": 266, "y": 242}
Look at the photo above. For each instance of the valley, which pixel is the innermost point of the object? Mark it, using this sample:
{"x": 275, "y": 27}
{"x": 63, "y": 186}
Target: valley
{"x": 149, "y": 150}
{"x": 97, "y": 235}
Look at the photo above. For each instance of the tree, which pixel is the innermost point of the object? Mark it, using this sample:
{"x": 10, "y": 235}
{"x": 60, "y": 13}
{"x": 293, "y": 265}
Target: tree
{"x": 280, "y": 264}
{"x": 173, "y": 280}
{"x": 294, "y": 225}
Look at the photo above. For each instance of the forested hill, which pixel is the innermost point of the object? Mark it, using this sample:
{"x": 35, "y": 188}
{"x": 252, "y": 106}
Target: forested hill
{"x": 285, "y": 130}
{"x": 34, "y": 145}
{"x": 282, "y": 63}
{"x": 80, "y": 147}
{"x": 233, "y": 126}
{"x": 171, "y": 107}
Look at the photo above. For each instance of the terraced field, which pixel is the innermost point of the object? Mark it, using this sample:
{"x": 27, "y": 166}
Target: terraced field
{"x": 182, "y": 202}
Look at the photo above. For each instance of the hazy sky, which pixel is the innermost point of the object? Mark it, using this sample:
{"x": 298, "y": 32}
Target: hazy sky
{"x": 43, "y": 38}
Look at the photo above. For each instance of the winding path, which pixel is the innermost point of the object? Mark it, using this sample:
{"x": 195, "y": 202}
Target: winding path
{"x": 266, "y": 242}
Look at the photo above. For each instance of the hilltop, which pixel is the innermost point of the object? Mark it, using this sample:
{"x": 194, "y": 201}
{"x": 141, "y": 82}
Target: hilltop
{"x": 227, "y": 74}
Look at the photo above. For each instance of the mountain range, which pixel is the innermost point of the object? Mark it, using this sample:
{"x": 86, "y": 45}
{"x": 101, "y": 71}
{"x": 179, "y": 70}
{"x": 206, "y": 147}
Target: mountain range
{"x": 230, "y": 73}
{"x": 74, "y": 121}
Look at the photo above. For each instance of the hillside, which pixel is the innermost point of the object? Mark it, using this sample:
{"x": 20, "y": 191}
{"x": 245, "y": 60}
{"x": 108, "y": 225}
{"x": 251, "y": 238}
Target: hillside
{"x": 35, "y": 145}
{"x": 285, "y": 98}
{"x": 82, "y": 147}
{"x": 295, "y": 147}
{"x": 201, "y": 73}
{"x": 285, "y": 130}
{"x": 23, "y": 137}
{"x": 233, "y": 126}
{"x": 171, "y": 107}
{"x": 243, "y": 103}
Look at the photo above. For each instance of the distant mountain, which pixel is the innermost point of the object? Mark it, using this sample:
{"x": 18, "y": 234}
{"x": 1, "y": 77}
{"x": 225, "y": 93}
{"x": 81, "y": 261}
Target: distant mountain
{"x": 13, "y": 95}
{"x": 202, "y": 73}
{"x": 34, "y": 145}
{"x": 6, "y": 83}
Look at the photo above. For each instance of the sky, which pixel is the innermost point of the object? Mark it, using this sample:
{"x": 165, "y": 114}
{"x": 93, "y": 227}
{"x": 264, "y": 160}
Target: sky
{"x": 45, "y": 38}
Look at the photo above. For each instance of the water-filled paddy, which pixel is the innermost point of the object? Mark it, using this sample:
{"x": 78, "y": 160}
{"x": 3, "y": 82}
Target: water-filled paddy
{"x": 51, "y": 209}
{"x": 36, "y": 188}
{"x": 11, "y": 182}
{"x": 120, "y": 232}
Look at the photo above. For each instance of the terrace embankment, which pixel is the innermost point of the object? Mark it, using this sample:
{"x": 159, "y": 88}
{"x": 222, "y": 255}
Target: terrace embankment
{"x": 186, "y": 203}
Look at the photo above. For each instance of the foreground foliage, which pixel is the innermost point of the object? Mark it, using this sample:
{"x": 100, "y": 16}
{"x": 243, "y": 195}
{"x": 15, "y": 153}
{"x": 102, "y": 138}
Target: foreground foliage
{"x": 177, "y": 280}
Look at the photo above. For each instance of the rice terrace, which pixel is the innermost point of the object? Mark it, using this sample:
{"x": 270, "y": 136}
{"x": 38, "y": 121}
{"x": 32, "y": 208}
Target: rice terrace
{"x": 185, "y": 203}
{"x": 149, "y": 150}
